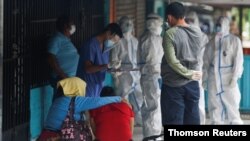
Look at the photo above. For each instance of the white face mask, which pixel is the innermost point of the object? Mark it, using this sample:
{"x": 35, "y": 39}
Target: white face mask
{"x": 72, "y": 29}
{"x": 158, "y": 30}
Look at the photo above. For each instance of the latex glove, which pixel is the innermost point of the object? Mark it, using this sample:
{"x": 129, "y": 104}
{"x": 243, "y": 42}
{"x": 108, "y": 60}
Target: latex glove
{"x": 126, "y": 101}
{"x": 233, "y": 82}
{"x": 115, "y": 64}
{"x": 197, "y": 75}
{"x": 204, "y": 85}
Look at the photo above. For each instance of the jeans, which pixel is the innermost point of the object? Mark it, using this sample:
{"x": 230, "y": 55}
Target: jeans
{"x": 180, "y": 105}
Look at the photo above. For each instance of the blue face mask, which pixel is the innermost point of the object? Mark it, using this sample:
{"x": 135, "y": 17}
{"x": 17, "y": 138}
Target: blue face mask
{"x": 218, "y": 28}
{"x": 108, "y": 43}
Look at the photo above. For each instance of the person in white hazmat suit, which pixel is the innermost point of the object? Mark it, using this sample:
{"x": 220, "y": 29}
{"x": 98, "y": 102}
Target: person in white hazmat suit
{"x": 150, "y": 56}
{"x": 192, "y": 19}
{"x": 223, "y": 66}
{"x": 123, "y": 58}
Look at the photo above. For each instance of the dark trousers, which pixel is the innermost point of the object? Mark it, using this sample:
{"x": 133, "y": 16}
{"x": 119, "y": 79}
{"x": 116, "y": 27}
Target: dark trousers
{"x": 180, "y": 105}
{"x": 53, "y": 83}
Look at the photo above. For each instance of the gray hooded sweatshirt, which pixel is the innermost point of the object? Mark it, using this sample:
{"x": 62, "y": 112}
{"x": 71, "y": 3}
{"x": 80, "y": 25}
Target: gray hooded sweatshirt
{"x": 182, "y": 54}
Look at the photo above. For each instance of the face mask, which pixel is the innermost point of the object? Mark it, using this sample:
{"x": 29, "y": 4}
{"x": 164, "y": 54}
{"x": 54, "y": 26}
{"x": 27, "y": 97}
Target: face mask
{"x": 72, "y": 29}
{"x": 127, "y": 28}
{"x": 158, "y": 30}
{"x": 108, "y": 43}
{"x": 218, "y": 28}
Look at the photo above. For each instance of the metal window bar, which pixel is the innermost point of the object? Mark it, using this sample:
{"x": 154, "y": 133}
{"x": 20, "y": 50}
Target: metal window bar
{"x": 27, "y": 26}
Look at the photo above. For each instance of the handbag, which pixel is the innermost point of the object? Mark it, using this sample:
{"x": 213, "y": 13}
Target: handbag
{"x": 48, "y": 135}
{"x": 73, "y": 130}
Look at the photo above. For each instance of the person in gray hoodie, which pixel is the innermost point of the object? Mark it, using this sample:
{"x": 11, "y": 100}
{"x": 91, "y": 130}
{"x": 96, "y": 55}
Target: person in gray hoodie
{"x": 180, "y": 69}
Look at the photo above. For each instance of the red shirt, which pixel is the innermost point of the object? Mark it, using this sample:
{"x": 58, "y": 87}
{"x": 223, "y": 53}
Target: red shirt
{"x": 113, "y": 122}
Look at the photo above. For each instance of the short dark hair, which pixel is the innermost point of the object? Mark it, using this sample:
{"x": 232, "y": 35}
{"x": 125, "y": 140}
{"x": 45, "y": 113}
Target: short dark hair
{"x": 114, "y": 28}
{"x": 176, "y": 9}
{"x": 107, "y": 91}
{"x": 62, "y": 21}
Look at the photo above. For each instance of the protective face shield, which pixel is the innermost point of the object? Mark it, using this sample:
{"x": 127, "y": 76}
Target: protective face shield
{"x": 223, "y": 25}
{"x": 154, "y": 23}
{"x": 126, "y": 24}
{"x": 217, "y": 27}
{"x": 192, "y": 18}
{"x": 72, "y": 29}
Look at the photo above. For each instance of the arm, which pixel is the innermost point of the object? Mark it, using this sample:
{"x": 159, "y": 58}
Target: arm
{"x": 145, "y": 53}
{"x": 53, "y": 49}
{"x": 204, "y": 44}
{"x": 132, "y": 124}
{"x": 91, "y": 68}
{"x": 208, "y": 54}
{"x": 88, "y": 54}
{"x": 114, "y": 60}
{"x": 173, "y": 62}
{"x": 92, "y": 124}
{"x": 238, "y": 61}
{"x": 87, "y": 103}
{"x": 55, "y": 67}
{"x": 89, "y": 122}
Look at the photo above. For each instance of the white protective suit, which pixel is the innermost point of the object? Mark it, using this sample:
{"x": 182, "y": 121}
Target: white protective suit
{"x": 223, "y": 66}
{"x": 192, "y": 19}
{"x": 150, "y": 55}
{"x": 124, "y": 57}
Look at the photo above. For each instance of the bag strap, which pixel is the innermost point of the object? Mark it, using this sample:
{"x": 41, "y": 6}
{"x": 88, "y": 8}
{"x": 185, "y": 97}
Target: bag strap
{"x": 71, "y": 109}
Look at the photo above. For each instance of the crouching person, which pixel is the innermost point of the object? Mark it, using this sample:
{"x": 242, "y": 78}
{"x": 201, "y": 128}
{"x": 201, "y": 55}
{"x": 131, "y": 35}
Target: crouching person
{"x": 112, "y": 122}
{"x": 68, "y": 89}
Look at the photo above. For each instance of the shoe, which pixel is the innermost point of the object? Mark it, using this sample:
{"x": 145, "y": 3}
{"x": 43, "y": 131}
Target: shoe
{"x": 159, "y": 139}
{"x": 137, "y": 125}
{"x": 154, "y": 138}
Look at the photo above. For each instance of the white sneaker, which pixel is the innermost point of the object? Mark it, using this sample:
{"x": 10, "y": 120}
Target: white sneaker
{"x": 159, "y": 139}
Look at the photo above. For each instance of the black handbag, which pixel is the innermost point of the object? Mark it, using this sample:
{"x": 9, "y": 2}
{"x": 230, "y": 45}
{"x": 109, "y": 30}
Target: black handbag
{"x": 73, "y": 130}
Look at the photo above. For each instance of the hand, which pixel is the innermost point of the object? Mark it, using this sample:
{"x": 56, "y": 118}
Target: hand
{"x": 114, "y": 64}
{"x": 204, "y": 85}
{"x": 197, "y": 75}
{"x": 233, "y": 82}
{"x": 126, "y": 101}
{"x": 104, "y": 66}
